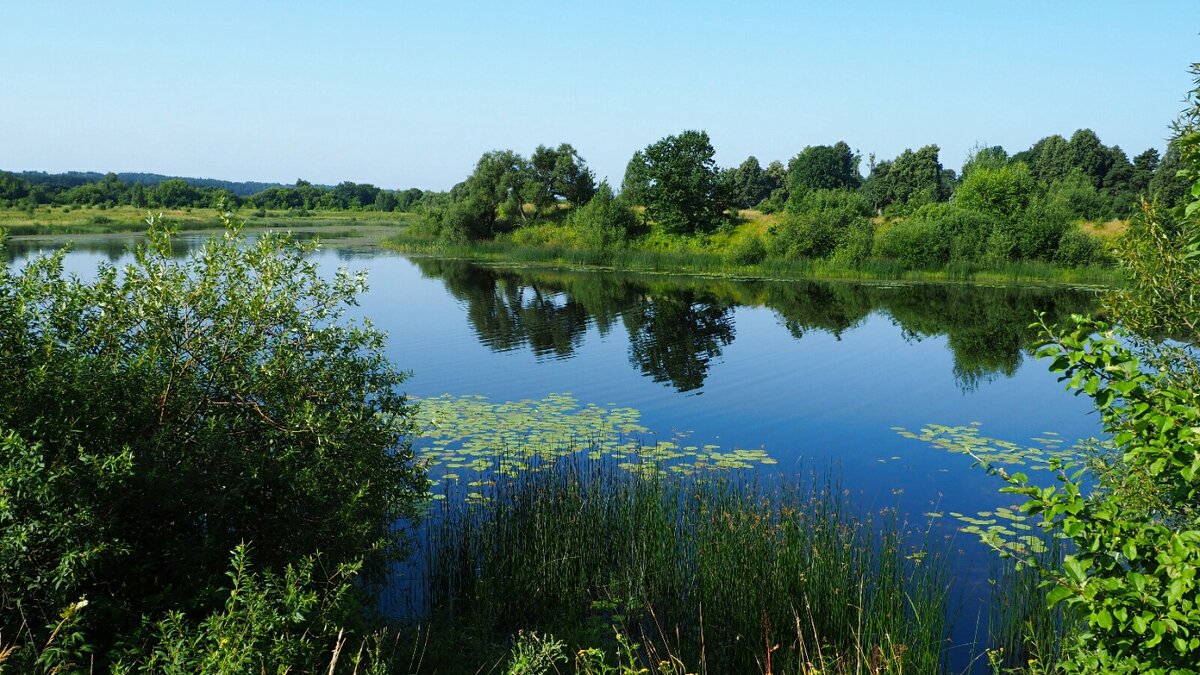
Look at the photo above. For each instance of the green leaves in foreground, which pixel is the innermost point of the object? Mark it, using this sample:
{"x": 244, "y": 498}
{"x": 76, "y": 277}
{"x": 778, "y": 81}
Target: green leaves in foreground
{"x": 471, "y": 434}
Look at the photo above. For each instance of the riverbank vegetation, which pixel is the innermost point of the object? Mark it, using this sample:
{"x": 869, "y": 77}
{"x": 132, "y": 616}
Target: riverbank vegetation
{"x": 70, "y": 220}
{"x": 1047, "y": 212}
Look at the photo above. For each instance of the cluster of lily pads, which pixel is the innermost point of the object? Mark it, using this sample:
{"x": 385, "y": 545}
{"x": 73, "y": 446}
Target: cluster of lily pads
{"x": 1005, "y": 528}
{"x": 471, "y": 440}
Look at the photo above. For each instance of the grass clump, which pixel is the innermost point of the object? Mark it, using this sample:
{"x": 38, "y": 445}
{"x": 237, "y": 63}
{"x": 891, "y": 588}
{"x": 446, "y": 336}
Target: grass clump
{"x": 707, "y": 570}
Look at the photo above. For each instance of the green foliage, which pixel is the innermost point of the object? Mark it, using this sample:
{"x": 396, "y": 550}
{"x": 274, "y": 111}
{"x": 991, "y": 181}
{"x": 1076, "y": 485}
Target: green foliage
{"x": 728, "y": 569}
{"x": 562, "y": 173}
{"x": 1077, "y": 196}
{"x": 748, "y": 249}
{"x": 750, "y": 184}
{"x": 981, "y": 157}
{"x": 605, "y": 222}
{"x": 1132, "y": 574}
{"x": 823, "y": 167}
{"x": 1002, "y": 192}
{"x": 168, "y": 411}
{"x": 676, "y": 179}
{"x": 1078, "y": 249}
{"x": 916, "y": 178}
{"x": 918, "y": 243}
{"x": 535, "y": 654}
{"x": 269, "y": 623}
{"x": 816, "y": 223}
{"x": 1041, "y": 227}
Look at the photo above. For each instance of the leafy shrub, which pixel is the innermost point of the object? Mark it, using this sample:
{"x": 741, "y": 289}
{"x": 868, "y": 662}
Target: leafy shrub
{"x": 1040, "y": 228}
{"x": 816, "y": 223}
{"x": 747, "y": 250}
{"x": 605, "y": 222}
{"x": 270, "y": 623}
{"x": 1133, "y": 577}
{"x": 162, "y": 414}
{"x": 916, "y": 242}
{"x": 1076, "y": 195}
{"x": 1001, "y": 191}
{"x": 1077, "y": 249}
{"x": 857, "y": 243}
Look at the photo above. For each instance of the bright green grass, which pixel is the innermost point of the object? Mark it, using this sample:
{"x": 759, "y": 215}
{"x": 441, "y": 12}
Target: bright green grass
{"x": 52, "y": 220}
{"x": 712, "y": 263}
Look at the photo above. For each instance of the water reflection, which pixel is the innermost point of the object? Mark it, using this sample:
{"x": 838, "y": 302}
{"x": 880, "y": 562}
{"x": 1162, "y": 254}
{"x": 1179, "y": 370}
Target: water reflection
{"x": 678, "y": 326}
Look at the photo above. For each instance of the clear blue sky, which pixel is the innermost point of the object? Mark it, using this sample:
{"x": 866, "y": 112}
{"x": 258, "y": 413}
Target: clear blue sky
{"x": 404, "y": 94}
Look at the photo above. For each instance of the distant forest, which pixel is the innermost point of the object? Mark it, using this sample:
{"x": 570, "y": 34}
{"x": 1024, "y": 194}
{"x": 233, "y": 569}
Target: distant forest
{"x": 30, "y": 189}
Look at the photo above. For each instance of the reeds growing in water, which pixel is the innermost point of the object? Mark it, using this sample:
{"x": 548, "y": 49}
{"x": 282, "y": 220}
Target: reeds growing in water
{"x": 721, "y": 574}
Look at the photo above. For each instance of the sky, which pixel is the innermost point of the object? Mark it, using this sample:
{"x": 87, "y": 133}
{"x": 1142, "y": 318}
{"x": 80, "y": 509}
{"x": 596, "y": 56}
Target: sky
{"x": 406, "y": 94}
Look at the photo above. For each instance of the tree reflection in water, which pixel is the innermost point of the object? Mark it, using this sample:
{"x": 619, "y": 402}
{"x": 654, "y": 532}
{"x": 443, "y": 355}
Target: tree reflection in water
{"x": 678, "y": 326}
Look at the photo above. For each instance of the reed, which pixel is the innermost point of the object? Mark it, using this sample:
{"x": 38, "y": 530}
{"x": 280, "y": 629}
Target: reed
{"x": 739, "y": 577}
{"x": 715, "y": 263}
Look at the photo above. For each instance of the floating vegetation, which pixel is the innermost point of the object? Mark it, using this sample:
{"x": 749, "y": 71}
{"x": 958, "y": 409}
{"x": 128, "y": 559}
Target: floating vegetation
{"x": 460, "y": 434}
{"x": 1006, "y": 528}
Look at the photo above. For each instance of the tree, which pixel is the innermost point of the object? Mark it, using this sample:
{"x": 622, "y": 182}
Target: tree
{"x": 1167, "y": 186}
{"x": 155, "y": 418}
{"x": 824, "y": 167}
{"x": 1144, "y": 166}
{"x": 1120, "y": 171}
{"x": 605, "y": 222}
{"x": 749, "y": 184}
{"x": 175, "y": 192}
{"x": 980, "y": 156}
{"x": 563, "y": 174}
{"x": 1003, "y": 192}
{"x": 1088, "y": 154}
{"x": 916, "y": 178}
{"x": 676, "y": 179}
{"x": 490, "y": 200}
{"x": 1049, "y": 159}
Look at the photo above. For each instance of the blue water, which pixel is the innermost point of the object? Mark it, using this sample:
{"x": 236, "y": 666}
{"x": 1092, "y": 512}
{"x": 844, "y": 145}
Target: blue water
{"x": 817, "y": 374}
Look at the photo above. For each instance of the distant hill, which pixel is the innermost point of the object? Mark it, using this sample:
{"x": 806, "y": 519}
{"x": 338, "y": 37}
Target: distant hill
{"x": 70, "y": 179}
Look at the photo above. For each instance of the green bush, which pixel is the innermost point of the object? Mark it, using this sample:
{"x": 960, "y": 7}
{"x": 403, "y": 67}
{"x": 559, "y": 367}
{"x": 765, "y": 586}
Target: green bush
{"x": 161, "y": 415}
{"x": 1003, "y": 191}
{"x": 1040, "y": 227}
{"x": 1078, "y": 249}
{"x": 917, "y": 243}
{"x": 747, "y": 250}
{"x": 816, "y": 223}
{"x": 605, "y": 222}
{"x": 1132, "y": 577}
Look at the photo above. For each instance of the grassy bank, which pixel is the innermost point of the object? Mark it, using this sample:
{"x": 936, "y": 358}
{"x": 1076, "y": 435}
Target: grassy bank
{"x": 708, "y": 573}
{"x": 52, "y": 220}
{"x": 719, "y": 264}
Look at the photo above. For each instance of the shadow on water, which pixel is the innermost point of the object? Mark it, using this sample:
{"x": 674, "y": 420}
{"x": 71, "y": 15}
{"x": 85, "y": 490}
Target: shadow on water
{"x": 678, "y": 326}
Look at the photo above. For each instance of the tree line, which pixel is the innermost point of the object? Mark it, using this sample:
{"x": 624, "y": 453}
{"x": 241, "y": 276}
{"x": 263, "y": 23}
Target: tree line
{"x": 910, "y": 209}
{"x": 32, "y": 190}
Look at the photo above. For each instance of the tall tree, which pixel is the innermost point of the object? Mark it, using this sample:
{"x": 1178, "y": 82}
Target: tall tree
{"x": 750, "y": 184}
{"x": 1087, "y": 153}
{"x": 676, "y": 179}
{"x": 563, "y": 174}
{"x": 824, "y": 167}
{"x": 1144, "y": 166}
{"x": 916, "y": 178}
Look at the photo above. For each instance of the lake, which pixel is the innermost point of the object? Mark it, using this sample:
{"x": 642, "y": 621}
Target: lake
{"x": 805, "y": 375}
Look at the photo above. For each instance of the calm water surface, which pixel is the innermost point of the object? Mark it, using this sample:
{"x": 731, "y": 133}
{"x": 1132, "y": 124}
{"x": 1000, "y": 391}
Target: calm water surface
{"x": 816, "y": 374}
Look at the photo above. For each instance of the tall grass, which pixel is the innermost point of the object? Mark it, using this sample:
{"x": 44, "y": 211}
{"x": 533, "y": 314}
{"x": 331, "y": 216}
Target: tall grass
{"x": 779, "y": 577}
{"x": 715, "y": 263}
{"x": 1023, "y": 632}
